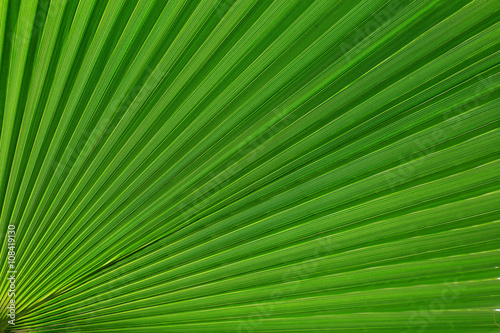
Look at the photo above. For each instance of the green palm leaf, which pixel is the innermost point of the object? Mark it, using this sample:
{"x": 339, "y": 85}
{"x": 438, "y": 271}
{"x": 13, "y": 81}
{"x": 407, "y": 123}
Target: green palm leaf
{"x": 249, "y": 165}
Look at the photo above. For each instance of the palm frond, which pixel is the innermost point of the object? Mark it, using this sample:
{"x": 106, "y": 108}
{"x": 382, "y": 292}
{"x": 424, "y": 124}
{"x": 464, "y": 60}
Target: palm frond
{"x": 250, "y": 165}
